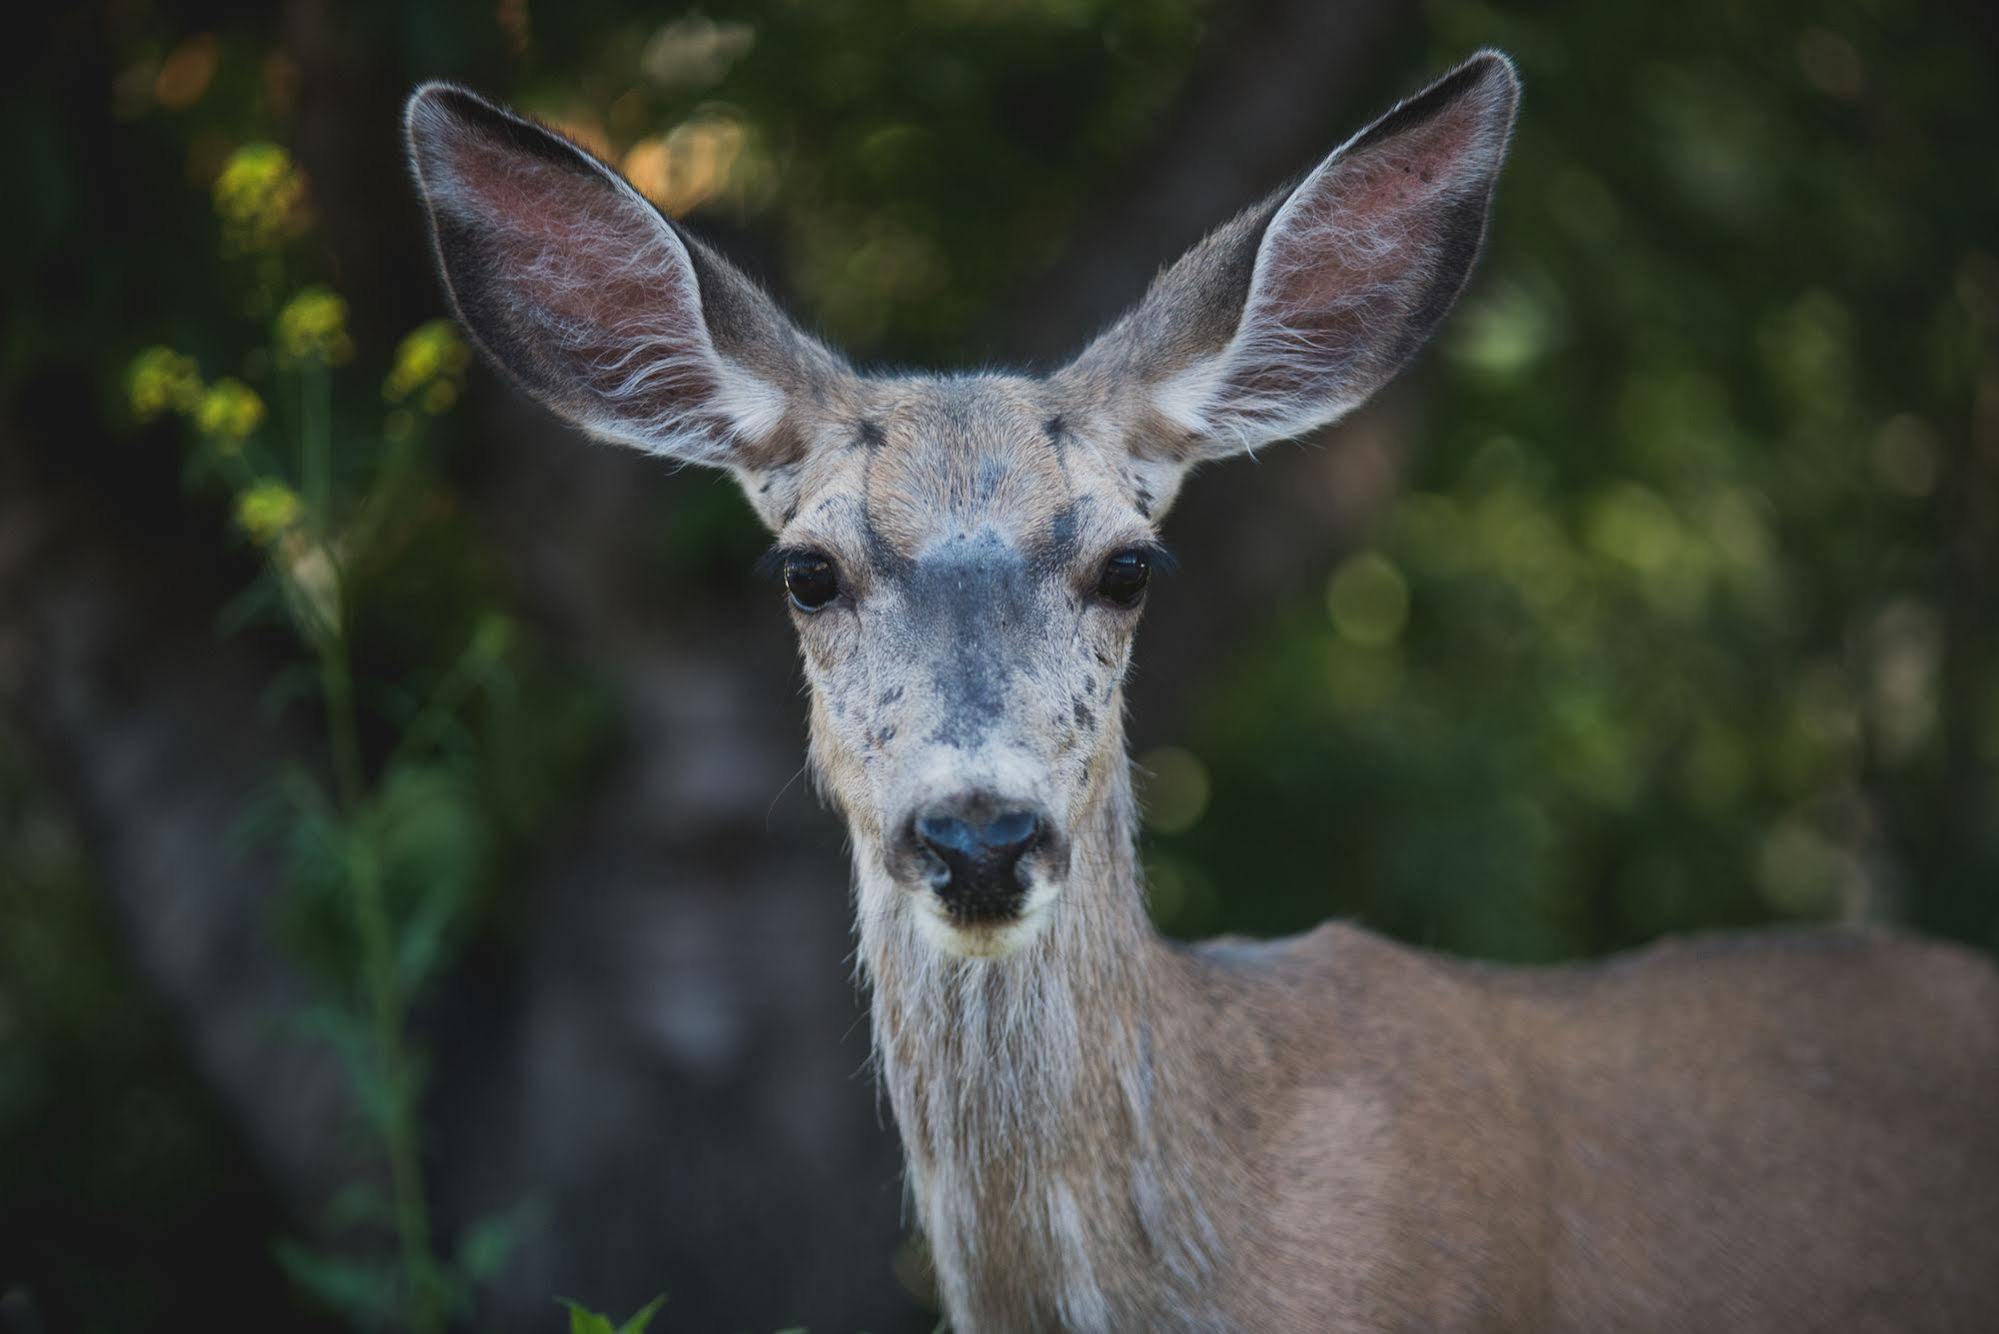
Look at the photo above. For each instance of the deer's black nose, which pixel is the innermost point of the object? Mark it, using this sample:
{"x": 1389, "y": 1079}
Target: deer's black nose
{"x": 974, "y": 854}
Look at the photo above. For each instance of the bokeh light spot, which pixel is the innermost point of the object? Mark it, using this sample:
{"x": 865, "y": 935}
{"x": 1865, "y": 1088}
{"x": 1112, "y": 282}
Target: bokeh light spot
{"x": 1368, "y": 599}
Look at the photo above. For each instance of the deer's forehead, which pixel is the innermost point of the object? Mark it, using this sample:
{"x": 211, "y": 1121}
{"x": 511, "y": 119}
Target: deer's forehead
{"x": 917, "y": 466}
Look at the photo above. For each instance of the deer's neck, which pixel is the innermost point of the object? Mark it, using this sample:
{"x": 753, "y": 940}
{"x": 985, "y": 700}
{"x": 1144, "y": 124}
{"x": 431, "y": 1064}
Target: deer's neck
{"x": 1049, "y": 1142}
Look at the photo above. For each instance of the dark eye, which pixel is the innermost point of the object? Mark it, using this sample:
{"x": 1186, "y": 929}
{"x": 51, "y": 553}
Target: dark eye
{"x": 811, "y": 580}
{"x": 1124, "y": 578}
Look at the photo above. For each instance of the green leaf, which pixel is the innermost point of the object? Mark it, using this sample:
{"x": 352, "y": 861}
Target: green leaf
{"x": 643, "y": 1317}
{"x": 353, "y": 1039}
{"x": 261, "y": 601}
{"x": 583, "y": 1320}
{"x": 296, "y": 682}
{"x": 359, "y": 1202}
{"x": 438, "y": 852}
{"x": 492, "y": 1240}
{"x": 367, "y": 1292}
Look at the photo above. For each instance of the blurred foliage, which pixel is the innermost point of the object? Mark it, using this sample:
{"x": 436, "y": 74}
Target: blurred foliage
{"x": 1682, "y": 617}
{"x": 1679, "y": 615}
{"x": 393, "y": 847}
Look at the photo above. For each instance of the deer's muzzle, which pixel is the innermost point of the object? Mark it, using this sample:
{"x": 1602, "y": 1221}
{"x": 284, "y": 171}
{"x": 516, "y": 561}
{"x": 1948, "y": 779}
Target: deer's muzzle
{"x": 971, "y": 852}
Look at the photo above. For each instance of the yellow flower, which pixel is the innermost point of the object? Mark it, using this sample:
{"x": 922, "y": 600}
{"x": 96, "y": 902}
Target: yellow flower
{"x": 268, "y": 510}
{"x": 313, "y": 327}
{"x": 260, "y": 196}
{"x": 162, "y": 380}
{"x": 439, "y": 397}
{"x": 431, "y": 354}
{"x": 229, "y": 411}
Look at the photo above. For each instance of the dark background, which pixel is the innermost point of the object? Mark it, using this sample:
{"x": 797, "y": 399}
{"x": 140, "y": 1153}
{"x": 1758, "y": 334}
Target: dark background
{"x": 1657, "y": 597}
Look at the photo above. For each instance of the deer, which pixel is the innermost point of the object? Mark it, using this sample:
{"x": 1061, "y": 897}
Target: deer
{"x": 1787, "y": 1129}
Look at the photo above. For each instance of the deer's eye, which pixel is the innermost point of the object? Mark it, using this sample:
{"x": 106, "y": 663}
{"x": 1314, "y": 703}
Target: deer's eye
{"x": 1125, "y": 577}
{"x": 811, "y": 580}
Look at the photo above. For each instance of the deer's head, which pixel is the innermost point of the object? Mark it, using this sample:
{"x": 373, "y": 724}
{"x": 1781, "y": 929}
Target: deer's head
{"x": 965, "y": 556}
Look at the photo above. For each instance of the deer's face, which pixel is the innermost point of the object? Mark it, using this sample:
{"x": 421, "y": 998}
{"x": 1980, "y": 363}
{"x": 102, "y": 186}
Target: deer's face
{"x": 965, "y": 565}
{"x": 965, "y": 556}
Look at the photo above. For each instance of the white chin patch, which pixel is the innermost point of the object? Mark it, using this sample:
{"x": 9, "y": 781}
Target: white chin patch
{"x": 993, "y": 940}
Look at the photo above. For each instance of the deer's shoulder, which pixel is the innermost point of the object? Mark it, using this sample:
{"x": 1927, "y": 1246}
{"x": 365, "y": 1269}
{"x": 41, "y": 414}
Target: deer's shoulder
{"x": 1392, "y": 1096}
{"x": 1341, "y": 1006}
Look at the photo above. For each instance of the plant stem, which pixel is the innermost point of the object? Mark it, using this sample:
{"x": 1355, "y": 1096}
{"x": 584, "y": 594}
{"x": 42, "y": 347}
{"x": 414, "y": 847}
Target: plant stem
{"x": 335, "y": 670}
{"x": 427, "y": 728}
{"x": 337, "y": 679}
{"x": 387, "y": 1005}
{"x": 316, "y": 445}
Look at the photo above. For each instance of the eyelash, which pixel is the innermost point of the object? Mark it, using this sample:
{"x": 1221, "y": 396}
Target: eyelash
{"x": 1163, "y": 560}
{"x": 770, "y": 565}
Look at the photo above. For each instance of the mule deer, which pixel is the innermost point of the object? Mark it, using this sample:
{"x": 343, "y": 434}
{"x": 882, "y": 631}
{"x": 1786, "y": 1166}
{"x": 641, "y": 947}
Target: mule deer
{"x": 1787, "y": 1131}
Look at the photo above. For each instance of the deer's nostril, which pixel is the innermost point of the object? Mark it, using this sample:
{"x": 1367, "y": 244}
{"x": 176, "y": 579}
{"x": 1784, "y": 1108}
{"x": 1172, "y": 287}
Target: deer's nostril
{"x": 1009, "y": 833}
{"x": 974, "y": 862}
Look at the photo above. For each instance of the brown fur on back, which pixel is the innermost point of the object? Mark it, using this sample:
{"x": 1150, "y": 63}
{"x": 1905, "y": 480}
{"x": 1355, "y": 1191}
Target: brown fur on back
{"x": 1779, "y": 1131}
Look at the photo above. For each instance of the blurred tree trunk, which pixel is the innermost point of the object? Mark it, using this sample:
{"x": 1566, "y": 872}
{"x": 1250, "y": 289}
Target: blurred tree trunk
{"x": 112, "y": 666}
{"x": 1278, "y": 86}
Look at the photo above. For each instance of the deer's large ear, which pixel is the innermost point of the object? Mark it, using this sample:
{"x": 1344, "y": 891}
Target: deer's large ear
{"x": 1291, "y": 315}
{"x": 592, "y": 301}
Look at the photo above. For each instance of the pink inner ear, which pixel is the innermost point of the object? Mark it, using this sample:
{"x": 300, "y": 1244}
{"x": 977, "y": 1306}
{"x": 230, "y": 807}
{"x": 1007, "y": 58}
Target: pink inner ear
{"x": 597, "y": 274}
{"x": 572, "y": 245}
{"x": 1371, "y": 217}
{"x": 1356, "y": 267}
